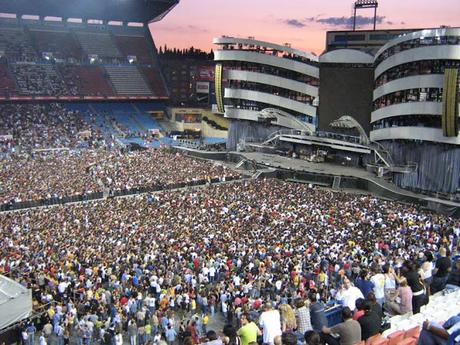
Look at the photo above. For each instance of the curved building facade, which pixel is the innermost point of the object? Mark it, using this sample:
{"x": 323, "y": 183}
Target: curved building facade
{"x": 415, "y": 106}
{"x": 253, "y": 75}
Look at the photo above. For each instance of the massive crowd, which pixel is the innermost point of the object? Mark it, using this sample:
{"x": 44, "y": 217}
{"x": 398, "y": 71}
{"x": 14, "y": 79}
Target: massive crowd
{"x": 49, "y": 151}
{"x": 140, "y": 265}
{"x": 35, "y": 126}
{"x": 160, "y": 266}
{"x": 58, "y": 174}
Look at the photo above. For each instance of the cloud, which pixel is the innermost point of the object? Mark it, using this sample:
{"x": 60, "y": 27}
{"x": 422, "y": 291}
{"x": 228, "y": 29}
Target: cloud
{"x": 344, "y": 22}
{"x": 348, "y": 21}
{"x": 197, "y": 28}
{"x": 295, "y": 23}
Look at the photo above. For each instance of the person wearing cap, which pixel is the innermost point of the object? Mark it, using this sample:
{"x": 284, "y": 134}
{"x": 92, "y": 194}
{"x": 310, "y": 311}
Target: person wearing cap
{"x": 443, "y": 267}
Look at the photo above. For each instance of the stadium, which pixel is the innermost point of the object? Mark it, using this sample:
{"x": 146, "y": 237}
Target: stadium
{"x": 257, "y": 194}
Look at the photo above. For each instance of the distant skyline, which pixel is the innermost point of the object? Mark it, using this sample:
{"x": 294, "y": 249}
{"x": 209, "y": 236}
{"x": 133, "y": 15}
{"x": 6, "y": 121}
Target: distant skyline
{"x": 302, "y": 23}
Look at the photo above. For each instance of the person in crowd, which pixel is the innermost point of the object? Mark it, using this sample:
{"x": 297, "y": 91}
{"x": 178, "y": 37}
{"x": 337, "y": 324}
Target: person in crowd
{"x": 428, "y": 267}
{"x": 414, "y": 281}
{"x": 231, "y": 335}
{"x": 434, "y": 334}
{"x": 369, "y": 322}
{"x": 249, "y": 331}
{"x": 378, "y": 279}
{"x": 375, "y": 306}
{"x": 349, "y": 331}
{"x": 288, "y": 319}
{"x": 302, "y": 315}
{"x": 313, "y": 338}
{"x": 170, "y": 335}
{"x": 363, "y": 283}
{"x": 454, "y": 275}
{"x": 288, "y": 338}
{"x": 390, "y": 290}
{"x": 348, "y": 294}
{"x": 212, "y": 338}
{"x": 441, "y": 271}
{"x": 317, "y": 312}
{"x": 359, "y": 310}
{"x": 270, "y": 322}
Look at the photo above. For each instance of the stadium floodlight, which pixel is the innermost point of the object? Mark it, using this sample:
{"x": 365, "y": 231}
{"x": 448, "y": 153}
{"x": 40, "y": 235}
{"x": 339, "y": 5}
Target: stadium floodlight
{"x": 363, "y": 4}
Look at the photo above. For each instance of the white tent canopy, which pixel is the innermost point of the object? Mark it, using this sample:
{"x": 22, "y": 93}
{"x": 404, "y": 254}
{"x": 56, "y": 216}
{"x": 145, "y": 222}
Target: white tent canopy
{"x": 15, "y": 302}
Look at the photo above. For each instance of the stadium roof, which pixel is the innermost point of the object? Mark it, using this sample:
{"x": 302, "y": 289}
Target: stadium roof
{"x": 142, "y": 11}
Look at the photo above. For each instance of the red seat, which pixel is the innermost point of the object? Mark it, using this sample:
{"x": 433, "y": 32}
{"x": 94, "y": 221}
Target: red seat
{"x": 381, "y": 341}
{"x": 373, "y": 339}
{"x": 413, "y": 332}
{"x": 395, "y": 337}
{"x": 408, "y": 341}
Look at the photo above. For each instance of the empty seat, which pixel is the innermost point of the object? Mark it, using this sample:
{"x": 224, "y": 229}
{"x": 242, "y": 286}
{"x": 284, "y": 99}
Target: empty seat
{"x": 61, "y": 43}
{"x": 408, "y": 341}
{"x": 373, "y": 339}
{"x": 100, "y": 44}
{"x": 128, "y": 81}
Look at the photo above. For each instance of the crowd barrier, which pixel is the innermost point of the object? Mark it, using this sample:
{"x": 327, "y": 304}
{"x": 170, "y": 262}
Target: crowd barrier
{"x": 112, "y": 193}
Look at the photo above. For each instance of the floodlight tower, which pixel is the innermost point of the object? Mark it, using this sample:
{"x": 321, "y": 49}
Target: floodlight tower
{"x": 363, "y": 4}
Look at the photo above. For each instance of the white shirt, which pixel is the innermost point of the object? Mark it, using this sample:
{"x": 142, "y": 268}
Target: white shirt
{"x": 41, "y": 340}
{"x": 379, "y": 285}
{"x": 118, "y": 339}
{"x": 270, "y": 321}
{"x": 348, "y": 297}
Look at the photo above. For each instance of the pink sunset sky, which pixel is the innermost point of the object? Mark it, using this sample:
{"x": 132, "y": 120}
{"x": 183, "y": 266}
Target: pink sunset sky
{"x": 302, "y": 23}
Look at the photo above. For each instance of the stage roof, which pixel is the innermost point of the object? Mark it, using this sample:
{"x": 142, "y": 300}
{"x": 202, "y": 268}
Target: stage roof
{"x": 142, "y": 11}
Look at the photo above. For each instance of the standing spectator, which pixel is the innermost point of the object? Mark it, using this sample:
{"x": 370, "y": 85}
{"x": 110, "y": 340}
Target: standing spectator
{"x": 428, "y": 268}
{"x": 170, "y": 335}
{"x": 378, "y": 279}
{"x": 317, "y": 312}
{"x": 302, "y": 315}
{"x": 249, "y": 331}
{"x": 369, "y": 322}
{"x": 118, "y": 338}
{"x": 414, "y": 281}
{"x": 376, "y": 307}
{"x": 390, "y": 284}
{"x": 42, "y": 339}
{"x": 363, "y": 283}
{"x": 443, "y": 267}
{"x": 270, "y": 322}
{"x": 288, "y": 319}
{"x": 454, "y": 275}
{"x": 404, "y": 297}
{"x": 132, "y": 332}
{"x": 30, "y": 329}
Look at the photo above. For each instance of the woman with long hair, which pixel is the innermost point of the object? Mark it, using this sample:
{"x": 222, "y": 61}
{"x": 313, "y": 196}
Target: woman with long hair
{"x": 288, "y": 321}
